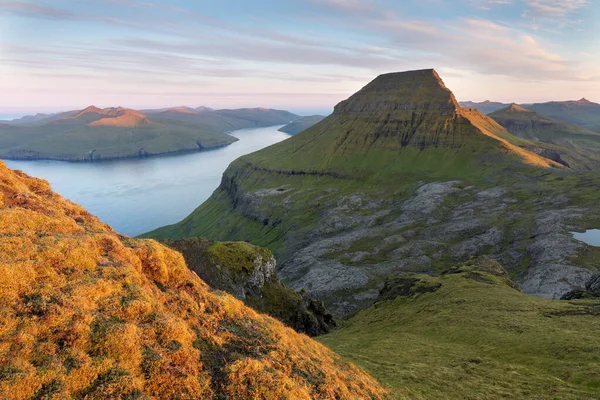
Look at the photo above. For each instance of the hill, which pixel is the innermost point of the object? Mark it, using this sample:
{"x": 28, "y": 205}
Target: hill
{"x": 301, "y": 124}
{"x": 469, "y": 334}
{"x": 574, "y": 146}
{"x": 95, "y": 134}
{"x": 485, "y": 107}
{"x": 227, "y": 120}
{"x": 582, "y": 112}
{"x": 401, "y": 178}
{"x": 89, "y": 314}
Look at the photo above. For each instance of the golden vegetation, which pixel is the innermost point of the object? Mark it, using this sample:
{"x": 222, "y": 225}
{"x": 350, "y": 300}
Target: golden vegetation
{"x": 86, "y": 313}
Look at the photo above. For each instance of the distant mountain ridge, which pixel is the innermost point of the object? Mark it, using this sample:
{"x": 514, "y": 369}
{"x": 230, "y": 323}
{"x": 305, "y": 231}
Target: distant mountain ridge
{"x": 581, "y": 112}
{"x": 485, "y": 107}
{"x": 95, "y": 134}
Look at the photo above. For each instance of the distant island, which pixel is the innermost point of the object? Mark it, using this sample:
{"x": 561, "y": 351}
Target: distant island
{"x": 301, "y": 124}
{"x": 94, "y": 134}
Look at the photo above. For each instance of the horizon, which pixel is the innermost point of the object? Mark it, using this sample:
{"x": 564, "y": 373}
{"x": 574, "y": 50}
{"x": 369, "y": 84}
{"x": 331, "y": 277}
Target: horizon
{"x": 304, "y": 56}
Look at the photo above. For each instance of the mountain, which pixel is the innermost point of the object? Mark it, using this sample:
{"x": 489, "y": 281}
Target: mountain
{"x": 574, "y": 146}
{"x": 532, "y": 125}
{"x": 582, "y": 112}
{"x": 90, "y": 314}
{"x": 401, "y": 178}
{"x": 485, "y": 107}
{"x": 301, "y": 124}
{"x": 468, "y": 334}
{"x": 28, "y": 119}
{"x": 227, "y": 120}
{"x": 95, "y": 134}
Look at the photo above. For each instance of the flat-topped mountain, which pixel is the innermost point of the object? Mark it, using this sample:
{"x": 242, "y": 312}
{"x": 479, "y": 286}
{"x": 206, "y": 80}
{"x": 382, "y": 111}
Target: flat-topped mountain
{"x": 95, "y": 134}
{"x": 401, "y": 178}
{"x": 89, "y": 314}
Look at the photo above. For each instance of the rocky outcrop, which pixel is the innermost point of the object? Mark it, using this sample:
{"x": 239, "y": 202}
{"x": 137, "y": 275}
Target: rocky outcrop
{"x": 248, "y": 272}
{"x": 590, "y": 290}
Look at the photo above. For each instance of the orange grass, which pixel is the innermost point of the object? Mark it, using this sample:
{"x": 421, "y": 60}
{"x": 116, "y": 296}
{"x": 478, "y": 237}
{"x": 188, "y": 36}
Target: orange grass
{"x": 87, "y": 313}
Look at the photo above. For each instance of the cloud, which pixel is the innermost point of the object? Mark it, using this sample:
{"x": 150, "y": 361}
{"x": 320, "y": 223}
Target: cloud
{"x": 34, "y": 10}
{"x": 553, "y": 11}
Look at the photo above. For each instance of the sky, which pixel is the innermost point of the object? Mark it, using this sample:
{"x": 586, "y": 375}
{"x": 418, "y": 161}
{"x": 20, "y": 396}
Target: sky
{"x": 300, "y": 55}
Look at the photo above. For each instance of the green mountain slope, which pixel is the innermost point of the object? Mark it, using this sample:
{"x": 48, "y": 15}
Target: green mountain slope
{"x": 531, "y": 125}
{"x": 581, "y": 112}
{"x": 301, "y": 124}
{"x": 94, "y": 134}
{"x": 568, "y": 144}
{"x": 401, "y": 178}
{"x": 469, "y": 334}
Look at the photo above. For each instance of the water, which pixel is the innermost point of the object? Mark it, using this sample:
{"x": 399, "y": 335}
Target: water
{"x": 591, "y": 237}
{"x": 139, "y": 195}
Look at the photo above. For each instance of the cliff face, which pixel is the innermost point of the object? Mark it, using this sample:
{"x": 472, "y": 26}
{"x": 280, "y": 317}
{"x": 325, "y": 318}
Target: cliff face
{"x": 248, "y": 272}
{"x": 86, "y": 313}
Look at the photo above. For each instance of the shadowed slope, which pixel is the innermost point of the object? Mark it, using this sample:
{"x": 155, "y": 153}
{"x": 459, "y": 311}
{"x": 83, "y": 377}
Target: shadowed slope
{"x": 86, "y": 313}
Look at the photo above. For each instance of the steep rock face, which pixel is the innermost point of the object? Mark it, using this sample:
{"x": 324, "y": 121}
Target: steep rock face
{"x": 87, "y": 313}
{"x": 248, "y": 272}
{"x": 398, "y": 179}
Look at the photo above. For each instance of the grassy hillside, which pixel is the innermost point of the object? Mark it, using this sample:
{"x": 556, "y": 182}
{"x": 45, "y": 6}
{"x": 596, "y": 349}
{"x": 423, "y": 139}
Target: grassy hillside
{"x": 582, "y": 112}
{"x": 301, "y": 124}
{"x": 469, "y": 334}
{"x": 89, "y": 314}
{"x": 94, "y": 135}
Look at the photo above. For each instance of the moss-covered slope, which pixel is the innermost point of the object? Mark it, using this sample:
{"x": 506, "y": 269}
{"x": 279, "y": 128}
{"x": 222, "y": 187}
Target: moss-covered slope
{"x": 86, "y": 313}
{"x": 470, "y": 334}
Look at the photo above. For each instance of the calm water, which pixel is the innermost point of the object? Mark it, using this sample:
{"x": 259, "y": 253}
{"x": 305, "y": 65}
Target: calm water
{"x": 136, "y": 196}
{"x": 591, "y": 237}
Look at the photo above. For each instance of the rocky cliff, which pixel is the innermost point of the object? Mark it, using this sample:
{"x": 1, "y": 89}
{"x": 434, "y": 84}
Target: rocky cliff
{"x": 86, "y": 313}
{"x": 248, "y": 272}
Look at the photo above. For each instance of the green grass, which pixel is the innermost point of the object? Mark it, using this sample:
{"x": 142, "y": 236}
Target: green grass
{"x": 237, "y": 256}
{"x": 476, "y": 337}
